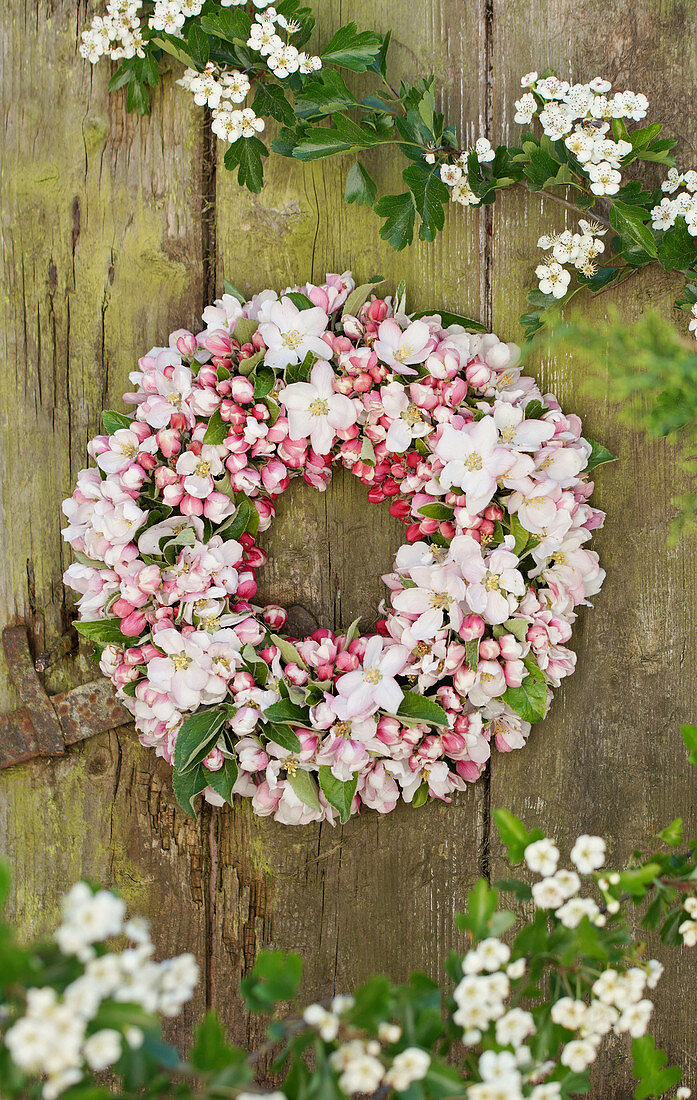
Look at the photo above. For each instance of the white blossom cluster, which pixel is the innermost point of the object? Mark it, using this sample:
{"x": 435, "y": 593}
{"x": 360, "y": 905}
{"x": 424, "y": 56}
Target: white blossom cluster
{"x": 455, "y": 174}
{"x": 222, "y": 91}
{"x": 360, "y": 1063}
{"x": 55, "y": 1038}
{"x": 582, "y": 114}
{"x": 618, "y": 1003}
{"x": 682, "y": 205}
{"x": 578, "y": 249}
{"x": 117, "y": 34}
{"x": 688, "y": 928}
{"x": 282, "y": 58}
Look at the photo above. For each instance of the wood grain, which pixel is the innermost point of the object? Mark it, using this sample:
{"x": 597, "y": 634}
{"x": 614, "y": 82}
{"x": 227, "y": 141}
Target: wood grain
{"x": 116, "y": 230}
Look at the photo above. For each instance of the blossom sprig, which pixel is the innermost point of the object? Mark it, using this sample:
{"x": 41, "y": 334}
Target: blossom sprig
{"x": 528, "y": 1005}
{"x": 580, "y": 146}
{"x": 488, "y": 475}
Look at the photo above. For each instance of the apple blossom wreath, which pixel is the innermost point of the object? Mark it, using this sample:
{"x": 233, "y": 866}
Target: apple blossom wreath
{"x": 248, "y": 62}
{"x": 488, "y": 475}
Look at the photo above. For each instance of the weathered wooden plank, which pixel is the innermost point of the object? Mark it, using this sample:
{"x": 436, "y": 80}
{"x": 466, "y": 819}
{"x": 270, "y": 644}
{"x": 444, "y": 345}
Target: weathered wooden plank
{"x": 380, "y": 893}
{"x": 102, "y": 248}
{"x": 609, "y": 759}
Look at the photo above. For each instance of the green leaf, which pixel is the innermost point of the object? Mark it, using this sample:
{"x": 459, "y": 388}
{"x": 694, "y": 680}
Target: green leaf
{"x": 352, "y": 49}
{"x": 104, "y": 632}
{"x": 231, "y": 26}
{"x": 431, "y": 196}
{"x": 629, "y": 223}
{"x": 448, "y": 319}
{"x": 187, "y": 785}
{"x": 325, "y": 93}
{"x": 339, "y": 794}
{"x": 517, "y": 627}
{"x": 275, "y": 976}
{"x": 283, "y": 735}
{"x": 137, "y": 98}
{"x": 636, "y": 879}
{"x": 211, "y": 1051}
{"x": 173, "y": 47}
{"x": 304, "y": 786}
{"x": 230, "y": 288}
{"x": 285, "y": 711}
{"x": 472, "y": 651}
{"x": 361, "y": 188}
{"x": 113, "y": 421}
{"x": 263, "y": 383}
{"x": 436, "y": 511}
{"x": 196, "y": 733}
{"x": 198, "y": 44}
{"x": 246, "y": 154}
{"x": 300, "y": 300}
{"x": 689, "y": 736}
{"x": 224, "y": 779}
{"x": 270, "y": 100}
{"x": 288, "y": 650}
{"x": 217, "y": 431}
{"x": 514, "y": 835}
{"x": 399, "y": 214}
{"x": 678, "y": 249}
{"x": 672, "y": 834}
{"x": 360, "y": 294}
{"x": 481, "y": 905}
{"x": 648, "y": 1066}
{"x": 240, "y": 521}
{"x": 244, "y": 329}
{"x": 529, "y": 700}
{"x": 421, "y": 709}
{"x": 599, "y": 454}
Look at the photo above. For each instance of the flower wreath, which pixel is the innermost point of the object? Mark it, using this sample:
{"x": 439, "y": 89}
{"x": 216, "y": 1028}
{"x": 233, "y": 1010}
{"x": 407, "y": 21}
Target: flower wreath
{"x": 487, "y": 473}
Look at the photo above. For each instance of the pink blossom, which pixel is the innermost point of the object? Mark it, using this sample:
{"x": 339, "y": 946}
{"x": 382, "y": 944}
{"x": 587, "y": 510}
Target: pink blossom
{"x": 399, "y": 349}
{"x": 473, "y": 460}
{"x": 315, "y": 410}
{"x": 373, "y": 685}
{"x": 290, "y": 333}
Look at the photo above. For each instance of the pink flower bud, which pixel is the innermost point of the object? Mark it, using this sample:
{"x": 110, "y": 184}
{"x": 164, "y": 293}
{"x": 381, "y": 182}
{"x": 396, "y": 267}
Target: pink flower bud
{"x": 363, "y": 382}
{"x": 468, "y": 770}
{"x": 218, "y": 342}
{"x": 376, "y": 310}
{"x": 247, "y": 585}
{"x": 388, "y": 730}
{"x": 454, "y": 745}
{"x": 217, "y": 507}
{"x": 241, "y": 389}
{"x": 133, "y": 624}
{"x": 149, "y": 579}
{"x": 214, "y": 761}
{"x": 455, "y": 392}
{"x": 493, "y": 512}
{"x": 249, "y": 631}
{"x": 489, "y": 649}
{"x": 514, "y": 673}
{"x": 295, "y": 674}
{"x": 274, "y": 616}
{"x": 478, "y": 374}
{"x": 242, "y": 681}
{"x": 473, "y": 626}
{"x": 185, "y": 342}
{"x": 346, "y": 662}
{"x": 191, "y": 506}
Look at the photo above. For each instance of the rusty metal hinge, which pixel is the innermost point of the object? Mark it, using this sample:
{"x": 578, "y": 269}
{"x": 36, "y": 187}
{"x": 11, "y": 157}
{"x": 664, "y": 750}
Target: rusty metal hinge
{"x": 47, "y": 724}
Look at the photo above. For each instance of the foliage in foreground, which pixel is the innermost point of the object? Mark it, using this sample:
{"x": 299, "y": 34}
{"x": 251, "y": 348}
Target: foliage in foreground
{"x": 649, "y": 373}
{"x": 522, "y": 1018}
